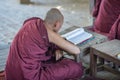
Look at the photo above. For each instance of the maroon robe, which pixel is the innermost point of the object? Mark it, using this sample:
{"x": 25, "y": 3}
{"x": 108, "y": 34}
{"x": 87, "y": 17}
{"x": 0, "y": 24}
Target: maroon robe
{"x": 106, "y": 12}
{"x": 115, "y": 30}
{"x": 96, "y": 8}
{"x": 31, "y": 56}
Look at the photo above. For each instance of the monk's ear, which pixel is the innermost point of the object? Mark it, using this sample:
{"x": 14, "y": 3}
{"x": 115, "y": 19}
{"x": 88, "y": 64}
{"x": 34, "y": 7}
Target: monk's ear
{"x": 57, "y": 23}
{"x": 57, "y": 26}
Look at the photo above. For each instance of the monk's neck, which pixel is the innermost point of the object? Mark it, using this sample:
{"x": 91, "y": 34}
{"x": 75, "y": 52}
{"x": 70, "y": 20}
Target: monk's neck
{"x": 48, "y": 26}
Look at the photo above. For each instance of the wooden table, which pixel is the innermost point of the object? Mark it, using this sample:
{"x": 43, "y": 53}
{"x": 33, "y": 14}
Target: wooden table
{"x": 107, "y": 51}
{"x": 85, "y": 46}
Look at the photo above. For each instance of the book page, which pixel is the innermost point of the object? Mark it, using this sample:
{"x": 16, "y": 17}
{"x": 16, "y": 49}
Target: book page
{"x": 73, "y": 33}
{"x": 77, "y": 36}
{"x": 80, "y": 38}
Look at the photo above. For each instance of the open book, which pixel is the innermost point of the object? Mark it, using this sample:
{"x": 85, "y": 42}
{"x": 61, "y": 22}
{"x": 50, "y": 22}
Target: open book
{"x": 77, "y": 36}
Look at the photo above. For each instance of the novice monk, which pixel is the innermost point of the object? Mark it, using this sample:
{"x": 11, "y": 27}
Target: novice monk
{"x": 31, "y": 55}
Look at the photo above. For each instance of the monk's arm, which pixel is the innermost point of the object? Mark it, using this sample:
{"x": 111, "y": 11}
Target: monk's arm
{"x": 62, "y": 43}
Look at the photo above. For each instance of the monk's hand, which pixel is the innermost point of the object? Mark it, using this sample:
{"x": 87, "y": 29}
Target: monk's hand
{"x": 58, "y": 54}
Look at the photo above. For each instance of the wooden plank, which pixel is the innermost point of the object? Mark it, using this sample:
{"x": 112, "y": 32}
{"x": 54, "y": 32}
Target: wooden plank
{"x": 114, "y": 71}
{"x": 111, "y": 47}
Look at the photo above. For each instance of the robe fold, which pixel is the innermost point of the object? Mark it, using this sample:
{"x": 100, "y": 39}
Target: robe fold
{"x": 96, "y": 8}
{"x": 115, "y": 30}
{"x": 105, "y": 12}
{"x": 31, "y": 56}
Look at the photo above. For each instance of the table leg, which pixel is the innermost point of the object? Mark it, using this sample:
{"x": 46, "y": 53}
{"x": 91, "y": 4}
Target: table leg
{"x": 77, "y": 58}
{"x": 93, "y": 63}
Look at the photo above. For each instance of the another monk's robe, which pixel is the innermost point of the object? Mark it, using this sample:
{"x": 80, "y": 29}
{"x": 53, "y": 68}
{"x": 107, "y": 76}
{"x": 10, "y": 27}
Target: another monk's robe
{"x": 96, "y": 8}
{"x": 115, "y": 30}
{"x": 105, "y": 13}
{"x": 31, "y": 56}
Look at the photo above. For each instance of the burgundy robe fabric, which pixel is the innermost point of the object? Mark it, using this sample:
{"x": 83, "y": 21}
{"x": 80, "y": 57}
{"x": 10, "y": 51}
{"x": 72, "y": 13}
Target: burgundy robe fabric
{"x": 31, "y": 56}
{"x": 115, "y": 30}
{"x": 96, "y": 8}
{"x": 107, "y": 14}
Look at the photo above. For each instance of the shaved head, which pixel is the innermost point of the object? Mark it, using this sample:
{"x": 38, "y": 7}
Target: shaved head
{"x": 53, "y": 15}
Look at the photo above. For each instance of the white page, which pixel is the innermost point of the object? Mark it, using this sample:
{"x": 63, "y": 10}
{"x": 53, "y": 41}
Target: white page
{"x": 77, "y": 36}
{"x": 80, "y": 38}
{"x": 73, "y": 33}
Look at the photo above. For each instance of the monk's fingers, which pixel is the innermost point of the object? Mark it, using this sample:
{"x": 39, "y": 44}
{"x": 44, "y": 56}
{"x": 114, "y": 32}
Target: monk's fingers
{"x": 58, "y": 56}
